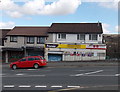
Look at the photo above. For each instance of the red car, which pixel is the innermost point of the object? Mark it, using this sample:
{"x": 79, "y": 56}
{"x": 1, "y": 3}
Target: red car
{"x": 30, "y": 61}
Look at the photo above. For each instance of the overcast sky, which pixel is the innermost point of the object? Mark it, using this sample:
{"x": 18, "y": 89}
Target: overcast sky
{"x": 45, "y": 12}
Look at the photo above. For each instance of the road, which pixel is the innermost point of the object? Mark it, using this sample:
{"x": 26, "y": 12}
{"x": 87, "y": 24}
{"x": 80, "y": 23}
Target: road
{"x": 59, "y": 77}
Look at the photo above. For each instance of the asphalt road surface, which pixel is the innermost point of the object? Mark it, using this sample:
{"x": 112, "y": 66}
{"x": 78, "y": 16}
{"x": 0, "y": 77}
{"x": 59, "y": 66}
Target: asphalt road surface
{"x": 56, "y": 77}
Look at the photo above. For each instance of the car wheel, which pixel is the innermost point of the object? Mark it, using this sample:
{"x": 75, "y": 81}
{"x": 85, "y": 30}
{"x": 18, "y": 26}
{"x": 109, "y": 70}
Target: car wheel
{"x": 14, "y": 67}
{"x": 36, "y": 66}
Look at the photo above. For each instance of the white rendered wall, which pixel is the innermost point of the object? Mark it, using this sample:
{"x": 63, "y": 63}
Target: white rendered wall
{"x": 72, "y": 38}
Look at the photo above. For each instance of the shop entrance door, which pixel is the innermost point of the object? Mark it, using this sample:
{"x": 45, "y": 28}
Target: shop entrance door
{"x": 54, "y": 57}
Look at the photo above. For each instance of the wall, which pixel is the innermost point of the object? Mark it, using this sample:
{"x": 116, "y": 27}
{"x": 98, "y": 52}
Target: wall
{"x": 20, "y": 42}
{"x": 95, "y": 54}
{"x": 71, "y": 38}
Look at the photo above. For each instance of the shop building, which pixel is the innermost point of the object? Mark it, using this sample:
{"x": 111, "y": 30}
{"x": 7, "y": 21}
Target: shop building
{"x": 3, "y": 33}
{"x": 24, "y": 41}
{"x": 75, "y": 41}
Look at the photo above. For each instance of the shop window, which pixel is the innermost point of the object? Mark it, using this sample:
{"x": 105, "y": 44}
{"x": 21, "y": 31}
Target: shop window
{"x": 61, "y": 36}
{"x": 13, "y": 38}
{"x": 30, "y": 40}
{"x": 81, "y": 37}
{"x": 101, "y": 54}
{"x": 40, "y": 40}
{"x": 93, "y": 37}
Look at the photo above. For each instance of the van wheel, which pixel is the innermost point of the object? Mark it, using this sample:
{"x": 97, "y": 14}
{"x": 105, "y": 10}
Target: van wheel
{"x": 14, "y": 67}
{"x": 36, "y": 66}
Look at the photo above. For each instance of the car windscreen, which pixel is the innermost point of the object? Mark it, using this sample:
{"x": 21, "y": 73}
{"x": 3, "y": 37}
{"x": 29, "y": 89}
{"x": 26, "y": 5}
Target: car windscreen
{"x": 42, "y": 58}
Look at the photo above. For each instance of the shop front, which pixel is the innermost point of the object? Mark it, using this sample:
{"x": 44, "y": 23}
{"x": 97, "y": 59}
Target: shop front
{"x": 55, "y": 56}
{"x": 70, "y": 52}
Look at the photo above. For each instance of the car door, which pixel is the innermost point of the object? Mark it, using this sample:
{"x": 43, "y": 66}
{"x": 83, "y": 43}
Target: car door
{"x": 23, "y": 63}
{"x": 31, "y": 61}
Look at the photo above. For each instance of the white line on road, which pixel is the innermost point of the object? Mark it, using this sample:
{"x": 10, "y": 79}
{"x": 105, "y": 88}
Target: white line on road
{"x": 94, "y": 72}
{"x": 117, "y": 74}
{"x": 101, "y": 75}
{"x": 8, "y": 86}
{"x": 24, "y": 86}
{"x": 19, "y": 74}
{"x": 38, "y": 86}
{"x": 83, "y": 70}
{"x": 36, "y": 75}
{"x": 87, "y": 73}
{"x": 2, "y": 74}
{"x": 56, "y": 86}
{"x": 73, "y": 86}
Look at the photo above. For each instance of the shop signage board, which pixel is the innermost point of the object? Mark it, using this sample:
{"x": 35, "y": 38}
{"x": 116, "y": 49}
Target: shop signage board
{"x": 65, "y": 46}
{"x": 72, "y": 46}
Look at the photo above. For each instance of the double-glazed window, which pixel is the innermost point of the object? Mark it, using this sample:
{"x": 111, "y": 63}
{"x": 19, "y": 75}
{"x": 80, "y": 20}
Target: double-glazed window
{"x": 40, "y": 40}
{"x": 30, "y": 40}
{"x": 61, "y": 36}
{"x": 93, "y": 36}
{"x": 13, "y": 38}
{"x": 80, "y": 36}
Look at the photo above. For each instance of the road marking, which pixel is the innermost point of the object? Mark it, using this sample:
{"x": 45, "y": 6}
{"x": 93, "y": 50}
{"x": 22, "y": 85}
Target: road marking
{"x": 25, "y": 76}
{"x": 87, "y": 73}
{"x": 101, "y": 75}
{"x": 24, "y": 86}
{"x": 38, "y": 86}
{"x": 94, "y": 72}
{"x": 73, "y": 86}
{"x": 83, "y": 70}
{"x": 9, "y": 86}
{"x": 56, "y": 86}
{"x": 117, "y": 74}
{"x": 19, "y": 74}
{"x": 2, "y": 74}
{"x": 36, "y": 75}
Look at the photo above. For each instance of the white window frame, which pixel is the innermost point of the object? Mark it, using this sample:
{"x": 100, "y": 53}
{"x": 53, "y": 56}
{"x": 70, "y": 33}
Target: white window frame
{"x": 13, "y": 38}
{"x": 60, "y": 36}
{"x": 40, "y": 40}
{"x": 79, "y": 37}
{"x": 91, "y": 37}
{"x": 29, "y": 40}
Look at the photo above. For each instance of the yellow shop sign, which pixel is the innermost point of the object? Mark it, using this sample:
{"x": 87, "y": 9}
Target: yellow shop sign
{"x": 65, "y": 46}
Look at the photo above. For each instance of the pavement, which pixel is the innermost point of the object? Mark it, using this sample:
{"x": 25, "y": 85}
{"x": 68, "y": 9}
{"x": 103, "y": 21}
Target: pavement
{"x": 78, "y": 63}
{"x": 63, "y": 76}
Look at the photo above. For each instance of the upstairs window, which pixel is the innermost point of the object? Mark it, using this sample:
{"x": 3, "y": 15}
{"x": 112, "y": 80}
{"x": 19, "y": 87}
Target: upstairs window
{"x": 81, "y": 37}
{"x": 40, "y": 40}
{"x": 13, "y": 38}
{"x": 93, "y": 37}
{"x": 30, "y": 40}
{"x": 61, "y": 36}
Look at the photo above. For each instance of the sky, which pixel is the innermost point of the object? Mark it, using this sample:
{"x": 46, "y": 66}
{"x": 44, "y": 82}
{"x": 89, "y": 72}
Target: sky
{"x": 45, "y": 12}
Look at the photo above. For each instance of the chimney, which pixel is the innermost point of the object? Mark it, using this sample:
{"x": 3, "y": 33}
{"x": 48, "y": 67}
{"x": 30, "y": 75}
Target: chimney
{"x": 98, "y": 23}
